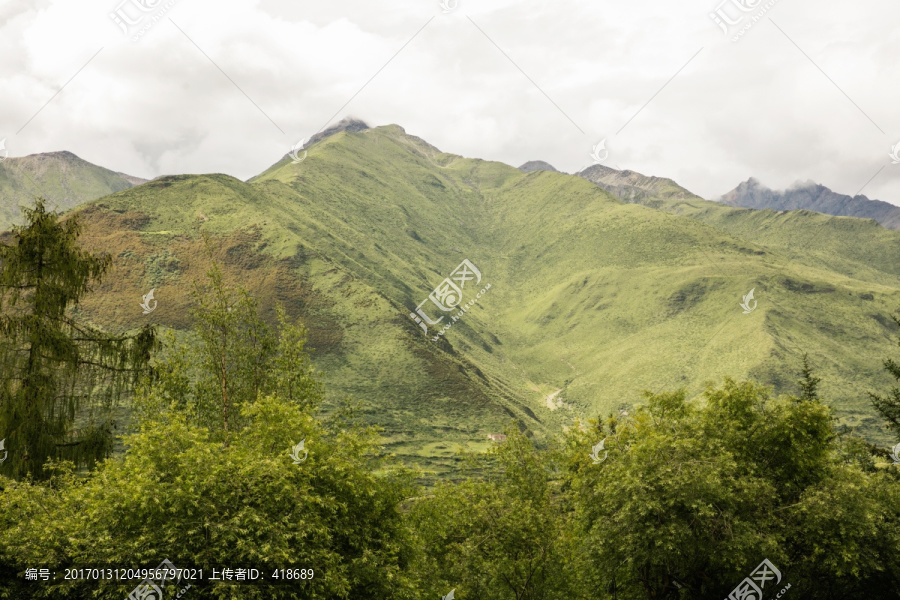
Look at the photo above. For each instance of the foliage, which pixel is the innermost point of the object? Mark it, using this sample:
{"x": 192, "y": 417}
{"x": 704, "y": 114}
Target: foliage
{"x": 503, "y": 537}
{"x": 694, "y": 496}
{"x": 55, "y": 368}
{"x": 809, "y": 383}
{"x": 185, "y": 492}
{"x": 238, "y": 357}
{"x": 691, "y": 494}
{"x": 179, "y": 495}
{"x": 888, "y": 406}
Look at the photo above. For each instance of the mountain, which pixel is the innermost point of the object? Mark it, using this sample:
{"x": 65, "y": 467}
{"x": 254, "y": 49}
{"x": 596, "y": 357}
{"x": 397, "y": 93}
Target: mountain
{"x": 61, "y": 177}
{"x": 591, "y": 299}
{"x": 537, "y": 165}
{"x": 346, "y": 124}
{"x": 812, "y": 196}
{"x": 633, "y": 187}
{"x": 805, "y": 237}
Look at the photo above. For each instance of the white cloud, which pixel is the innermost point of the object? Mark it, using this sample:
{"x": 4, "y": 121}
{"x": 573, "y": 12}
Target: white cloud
{"x": 756, "y": 107}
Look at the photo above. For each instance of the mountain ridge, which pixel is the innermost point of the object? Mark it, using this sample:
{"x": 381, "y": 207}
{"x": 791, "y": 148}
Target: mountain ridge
{"x": 64, "y": 179}
{"x": 812, "y": 196}
{"x": 592, "y": 298}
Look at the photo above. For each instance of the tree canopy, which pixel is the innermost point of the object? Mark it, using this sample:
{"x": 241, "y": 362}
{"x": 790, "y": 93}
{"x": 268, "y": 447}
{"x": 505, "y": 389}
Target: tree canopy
{"x": 55, "y": 369}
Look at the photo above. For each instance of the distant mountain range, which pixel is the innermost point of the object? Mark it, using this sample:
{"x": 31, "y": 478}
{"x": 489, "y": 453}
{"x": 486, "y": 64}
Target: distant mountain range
{"x": 812, "y": 196}
{"x": 603, "y": 284}
{"x": 633, "y": 187}
{"x": 61, "y": 178}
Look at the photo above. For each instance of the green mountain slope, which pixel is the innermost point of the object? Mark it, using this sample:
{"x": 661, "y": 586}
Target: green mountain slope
{"x": 431, "y": 403}
{"x": 857, "y": 248}
{"x": 592, "y": 299}
{"x": 61, "y": 177}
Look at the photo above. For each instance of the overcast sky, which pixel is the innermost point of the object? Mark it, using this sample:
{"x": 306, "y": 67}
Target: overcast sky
{"x": 810, "y": 91}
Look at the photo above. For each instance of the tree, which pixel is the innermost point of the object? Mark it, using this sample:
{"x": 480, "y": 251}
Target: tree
{"x": 180, "y": 493}
{"x": 236, "y": 346}
{"x": 53, "y": 368}
{"x": 889, "y": 406}
{"x": 694, "y": 495}
{"x": 504, "y": 537}
{"x": 236, "y": 358}
{"x": 809, "y": 384}
{"x": 669, "y": 509}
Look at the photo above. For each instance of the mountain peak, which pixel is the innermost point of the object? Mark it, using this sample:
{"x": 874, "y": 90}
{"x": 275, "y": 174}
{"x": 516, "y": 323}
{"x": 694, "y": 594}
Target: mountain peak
{"x": 351, "y": 124}
{"x": 630, "y": 186}
{"x": 62, "y": 154}
{"x": 64, "y": 179}
{"x": 537, "y": 165}
{"x": 38, "y": 157}
{"x": 809, "y": 195}
{"x": 597, "y": 170}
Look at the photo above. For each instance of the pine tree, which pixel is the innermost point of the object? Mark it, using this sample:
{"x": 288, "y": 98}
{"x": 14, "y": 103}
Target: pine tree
{"x": 809, "y": 385}
{"x": 53, "y": 368}
{"x": 889, "y": 406}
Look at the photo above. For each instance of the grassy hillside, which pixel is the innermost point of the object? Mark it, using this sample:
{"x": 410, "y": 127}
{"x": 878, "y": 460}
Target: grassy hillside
{"x": 858, "y": 248}
{"x": 430, "y": 403}
{"x": 592, "y": 299}
{"x": 61, "y": 177}
{"x": 864, "y": 256}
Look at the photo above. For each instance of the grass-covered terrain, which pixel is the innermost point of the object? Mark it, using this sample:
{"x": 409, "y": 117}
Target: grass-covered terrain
{"x": 592, "y": 299}
{"x": 61, "y": 177}
{"x": 232, "y": 455}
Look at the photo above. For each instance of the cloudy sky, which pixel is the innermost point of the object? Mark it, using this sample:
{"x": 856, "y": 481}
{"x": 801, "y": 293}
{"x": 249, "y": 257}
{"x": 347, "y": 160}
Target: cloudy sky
{"x": 808, "y": 91}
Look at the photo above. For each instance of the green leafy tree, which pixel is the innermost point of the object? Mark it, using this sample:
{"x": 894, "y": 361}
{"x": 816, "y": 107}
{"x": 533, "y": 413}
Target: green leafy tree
{"x": 667, "y": 510}
{"x": 179, "y": 495}
{"x": 694, "y": 495}
{"x": 236, "y": 359}
{"x": 236, "y": 346}
{"x": 505, "y": 537}
{"x": 55, "y": 369}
